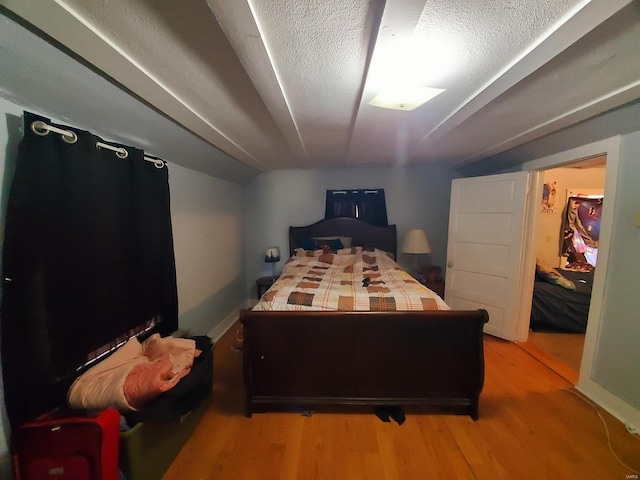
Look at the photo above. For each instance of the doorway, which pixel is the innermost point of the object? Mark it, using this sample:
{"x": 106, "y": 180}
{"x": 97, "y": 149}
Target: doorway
{"x": 559, "y": 315}
{"x": 569, "y": 354}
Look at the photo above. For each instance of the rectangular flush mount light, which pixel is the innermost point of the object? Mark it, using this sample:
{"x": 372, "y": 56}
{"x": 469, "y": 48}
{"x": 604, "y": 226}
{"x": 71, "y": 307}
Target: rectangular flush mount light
{"x": 405, "y": 98}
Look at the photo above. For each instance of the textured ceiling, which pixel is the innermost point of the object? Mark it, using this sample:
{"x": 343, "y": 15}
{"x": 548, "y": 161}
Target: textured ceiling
{"x": 286, "y": 83}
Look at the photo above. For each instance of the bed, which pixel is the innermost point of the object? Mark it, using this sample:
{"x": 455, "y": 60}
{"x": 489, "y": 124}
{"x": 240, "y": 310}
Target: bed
{"x": 555, "y": 308}
{"x": 302, "y": 356}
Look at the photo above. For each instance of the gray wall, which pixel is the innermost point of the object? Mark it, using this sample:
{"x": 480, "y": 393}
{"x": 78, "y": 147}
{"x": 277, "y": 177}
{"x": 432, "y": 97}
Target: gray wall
{"x": 207, "y": 217}
{"x": 417, "y": 197}
{"x": 617, "y": 359}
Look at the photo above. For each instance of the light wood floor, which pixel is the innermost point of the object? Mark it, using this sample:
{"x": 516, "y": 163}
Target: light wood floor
{"x": 529, "y": 428}
{"x": 562, "y": 352}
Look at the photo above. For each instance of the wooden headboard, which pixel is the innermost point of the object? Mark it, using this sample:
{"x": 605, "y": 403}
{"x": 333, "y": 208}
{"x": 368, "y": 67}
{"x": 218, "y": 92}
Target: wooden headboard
{"x": 362, "y": 234}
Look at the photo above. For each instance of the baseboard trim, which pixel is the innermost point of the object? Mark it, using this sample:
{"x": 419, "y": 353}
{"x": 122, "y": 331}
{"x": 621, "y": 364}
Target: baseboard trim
{"x": 221, "y": 328}
{"x": 620, "y": 409}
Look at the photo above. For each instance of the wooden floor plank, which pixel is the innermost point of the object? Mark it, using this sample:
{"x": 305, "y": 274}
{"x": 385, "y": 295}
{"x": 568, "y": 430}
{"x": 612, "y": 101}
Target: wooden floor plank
{"x": 564, "y": 348}
{"x": 532, "y": 425}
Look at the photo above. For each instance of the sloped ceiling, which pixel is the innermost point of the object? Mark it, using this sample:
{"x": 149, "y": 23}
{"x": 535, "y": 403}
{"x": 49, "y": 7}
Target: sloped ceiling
{"x": 279, "y": 84}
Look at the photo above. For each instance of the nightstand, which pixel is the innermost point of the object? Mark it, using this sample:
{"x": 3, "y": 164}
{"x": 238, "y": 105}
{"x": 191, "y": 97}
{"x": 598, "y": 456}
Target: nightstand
{"x": 263, "y": 284}
{"x": 437, "y": 287}
{"x": 432, "y": 280}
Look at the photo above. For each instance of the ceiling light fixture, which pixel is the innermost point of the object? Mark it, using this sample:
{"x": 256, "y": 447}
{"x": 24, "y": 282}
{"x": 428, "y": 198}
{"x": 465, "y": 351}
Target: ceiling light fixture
{"x": 405, "y": 97}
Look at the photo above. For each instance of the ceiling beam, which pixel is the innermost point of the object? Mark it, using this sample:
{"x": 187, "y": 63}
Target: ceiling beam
{"x": 67, "y": 26}
{"x": 610, "y": 101}
{"x": 397, "y": 25}
{"x": 587, "y": 15}
{"x": 241, "y": 25}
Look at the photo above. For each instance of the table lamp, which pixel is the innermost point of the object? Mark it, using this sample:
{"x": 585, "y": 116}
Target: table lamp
{"x": 272, "y": 256}
{"x": 416, "y": 243}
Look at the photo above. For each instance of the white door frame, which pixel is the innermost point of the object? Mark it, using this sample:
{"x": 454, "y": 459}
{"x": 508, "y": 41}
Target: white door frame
{"x": 611, "y": 148}
{"x": 528, "y": 261}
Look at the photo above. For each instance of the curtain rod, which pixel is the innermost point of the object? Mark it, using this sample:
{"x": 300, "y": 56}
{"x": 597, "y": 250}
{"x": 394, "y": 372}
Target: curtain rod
{"x": 344, "y": 192}
{"x": 40, "y": 128}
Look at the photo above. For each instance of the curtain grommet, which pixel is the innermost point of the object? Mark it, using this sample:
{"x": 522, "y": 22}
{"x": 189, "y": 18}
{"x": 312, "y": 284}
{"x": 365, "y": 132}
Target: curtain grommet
{"x": 40, "y": 128}
{"x": 70, "y": 137}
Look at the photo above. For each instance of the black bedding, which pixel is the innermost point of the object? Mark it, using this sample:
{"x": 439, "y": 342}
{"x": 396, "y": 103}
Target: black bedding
{"x": 558, "y": 309}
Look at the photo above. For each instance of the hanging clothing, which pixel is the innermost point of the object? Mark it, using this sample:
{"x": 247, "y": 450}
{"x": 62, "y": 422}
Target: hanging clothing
{"x": 581, "y": 229}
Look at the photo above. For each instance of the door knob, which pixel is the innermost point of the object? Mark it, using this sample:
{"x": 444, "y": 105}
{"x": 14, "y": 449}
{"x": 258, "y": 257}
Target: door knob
{"x": 450, "y": 264}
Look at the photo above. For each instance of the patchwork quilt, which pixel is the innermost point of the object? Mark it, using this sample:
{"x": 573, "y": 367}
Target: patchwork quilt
{"x": 351, "y": 279}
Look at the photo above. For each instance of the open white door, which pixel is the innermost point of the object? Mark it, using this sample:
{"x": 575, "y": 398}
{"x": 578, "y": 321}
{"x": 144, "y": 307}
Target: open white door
{"x": 485, "y": 249}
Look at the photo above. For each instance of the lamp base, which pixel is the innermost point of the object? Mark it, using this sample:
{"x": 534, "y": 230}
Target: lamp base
{"x": 416, "y": 271}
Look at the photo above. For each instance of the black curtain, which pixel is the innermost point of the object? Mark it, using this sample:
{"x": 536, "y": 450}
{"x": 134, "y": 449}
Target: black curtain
{"x": 88, "y": 255}
{"x": 367, "y": 205}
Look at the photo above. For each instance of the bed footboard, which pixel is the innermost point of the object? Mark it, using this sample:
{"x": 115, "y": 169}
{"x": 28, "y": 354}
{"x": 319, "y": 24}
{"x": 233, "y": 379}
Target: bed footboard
{"x": 430, "y": 358}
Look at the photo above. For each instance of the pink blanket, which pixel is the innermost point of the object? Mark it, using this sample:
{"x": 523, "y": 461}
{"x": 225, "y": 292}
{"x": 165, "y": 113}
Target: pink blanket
{"x": 134, "y": 374}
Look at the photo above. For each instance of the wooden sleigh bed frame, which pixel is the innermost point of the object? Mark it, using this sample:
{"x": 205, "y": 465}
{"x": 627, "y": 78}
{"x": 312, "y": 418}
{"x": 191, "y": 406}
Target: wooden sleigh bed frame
{"x": 428, "y": 358}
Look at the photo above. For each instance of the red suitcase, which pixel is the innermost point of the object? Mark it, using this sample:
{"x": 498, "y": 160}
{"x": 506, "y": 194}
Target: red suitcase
{"x": 68, "y": 448}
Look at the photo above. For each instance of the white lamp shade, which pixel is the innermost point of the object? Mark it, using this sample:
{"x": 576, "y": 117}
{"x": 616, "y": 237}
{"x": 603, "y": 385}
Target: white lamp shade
{"x": 272, "y": 255}
{"x": 415, "y": 241}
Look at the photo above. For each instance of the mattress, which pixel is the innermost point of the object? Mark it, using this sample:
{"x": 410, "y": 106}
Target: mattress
{"x": 554, "y": 308}
{"x": 352, "y": 279}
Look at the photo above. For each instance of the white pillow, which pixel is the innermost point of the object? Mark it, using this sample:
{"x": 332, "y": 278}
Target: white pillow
{"x": 346, "y": 241}
{"x": 301, "y": 252}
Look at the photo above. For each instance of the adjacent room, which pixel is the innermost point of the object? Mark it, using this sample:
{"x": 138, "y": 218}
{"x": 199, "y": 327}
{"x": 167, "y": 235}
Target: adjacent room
{"x": 338, "y": 240}
{"x": 567, "y": 232}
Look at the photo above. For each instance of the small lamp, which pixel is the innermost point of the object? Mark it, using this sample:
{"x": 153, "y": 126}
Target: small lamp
{"x": 272, "y": 256}
{"x": 416, "y": 243}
